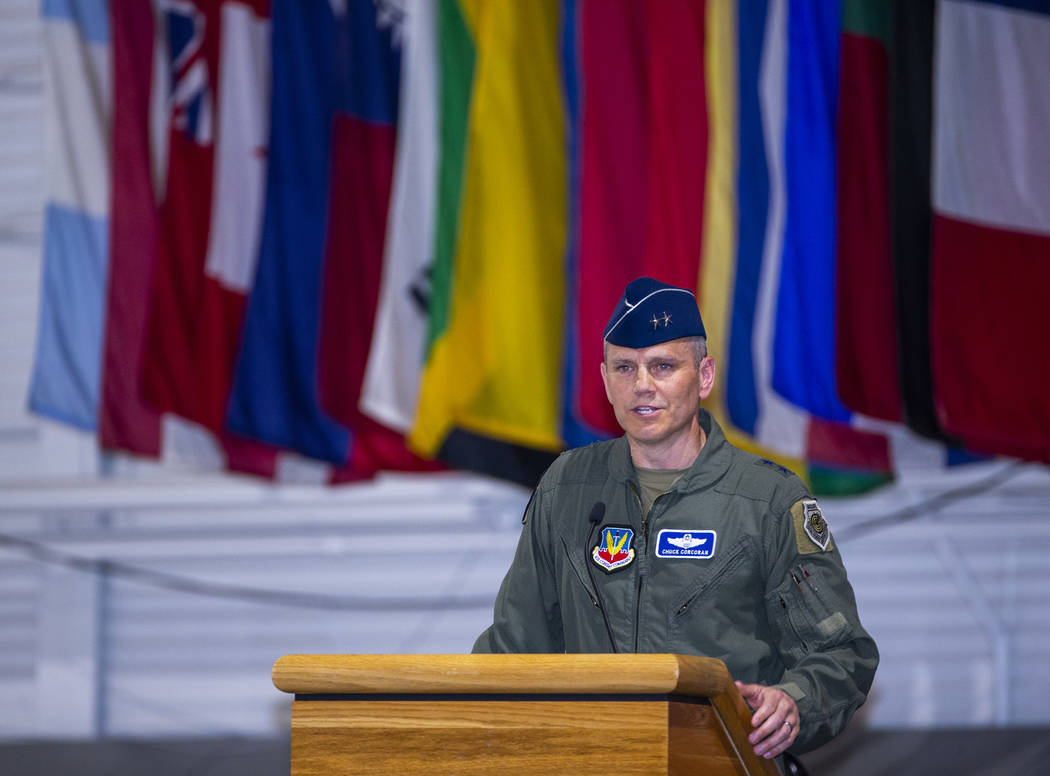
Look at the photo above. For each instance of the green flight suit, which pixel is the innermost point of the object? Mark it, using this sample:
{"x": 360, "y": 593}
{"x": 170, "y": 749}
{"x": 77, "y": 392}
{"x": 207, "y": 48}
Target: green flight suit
{"x": 770, "y": 601}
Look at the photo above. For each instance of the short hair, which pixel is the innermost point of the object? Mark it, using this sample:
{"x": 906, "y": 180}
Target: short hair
{"x": 699, "y": 349}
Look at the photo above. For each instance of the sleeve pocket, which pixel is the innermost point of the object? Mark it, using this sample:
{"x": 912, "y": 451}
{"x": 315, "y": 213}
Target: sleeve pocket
{"x": 806, "y": 616}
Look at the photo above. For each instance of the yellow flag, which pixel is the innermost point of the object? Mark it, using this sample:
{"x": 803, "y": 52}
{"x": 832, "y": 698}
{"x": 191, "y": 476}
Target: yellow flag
{"x": 495, "y": 368}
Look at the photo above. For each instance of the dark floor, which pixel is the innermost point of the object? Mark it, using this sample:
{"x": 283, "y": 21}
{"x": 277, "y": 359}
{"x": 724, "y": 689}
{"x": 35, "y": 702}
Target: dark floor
{"x": 976, "y": 752}
{"x": 149, "y": 757}
{"x": 969, "y": 752}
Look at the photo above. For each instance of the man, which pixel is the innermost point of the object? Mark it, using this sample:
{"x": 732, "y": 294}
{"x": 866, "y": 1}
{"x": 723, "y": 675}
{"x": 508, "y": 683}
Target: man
{"x": 702, "y": 548}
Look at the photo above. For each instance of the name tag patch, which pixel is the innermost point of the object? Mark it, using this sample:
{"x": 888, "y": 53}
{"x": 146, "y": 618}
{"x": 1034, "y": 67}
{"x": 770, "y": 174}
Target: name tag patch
{"x": 673, "y": 543}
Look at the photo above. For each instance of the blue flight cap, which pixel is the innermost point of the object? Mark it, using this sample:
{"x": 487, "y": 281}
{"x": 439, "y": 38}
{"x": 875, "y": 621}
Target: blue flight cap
{"x": 651, "y": 312}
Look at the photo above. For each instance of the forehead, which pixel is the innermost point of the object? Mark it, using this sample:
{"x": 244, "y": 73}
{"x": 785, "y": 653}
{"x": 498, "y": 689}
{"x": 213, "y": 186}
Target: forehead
{"x": 672, "y": 349}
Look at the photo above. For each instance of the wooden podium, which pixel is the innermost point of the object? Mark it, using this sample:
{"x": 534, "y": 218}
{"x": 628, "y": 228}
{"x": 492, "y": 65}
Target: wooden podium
{"x": 516, "y": 714}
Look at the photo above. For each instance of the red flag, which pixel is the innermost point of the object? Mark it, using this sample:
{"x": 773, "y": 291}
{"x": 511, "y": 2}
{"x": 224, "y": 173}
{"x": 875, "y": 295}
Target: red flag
{"x": 127, "y": 421}
{"x": 867, "y": 374}
{"x": 991, "y": 231}
{"x": 216, "y": 163}
{"x": 643, "y": 146}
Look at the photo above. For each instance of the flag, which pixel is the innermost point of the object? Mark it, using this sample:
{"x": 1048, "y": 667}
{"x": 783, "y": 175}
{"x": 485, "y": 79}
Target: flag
{"x": 574, "y": 431}
{"x": 746, "y": 247}
{"x": 866, "y": 355}
{"x": 750, "y": 285}
{"x": 100, "y": 61}
{"x": 348, "y": 244}
{"x": 639, "y": 148}
{"x": 215, "y": 79}
{"x": 363, "y": 158}
{"x": 911, "y": 122}
{"x": 882, "y": 322}
{"x": 367, "y": 72}
{"x": 65, "y": 383}
{"x": 684, "y": 153}
{"x": 395, "y": 360}
{"x": 127, "y": 422}
{"x": 430, "y": 271}
{"x": 457, "y": 56}
{"x": 494, "y": 355}
{"x": 991, "y": 226}
{"x": 331, "y": 146}
{"x": 803, "y": 369}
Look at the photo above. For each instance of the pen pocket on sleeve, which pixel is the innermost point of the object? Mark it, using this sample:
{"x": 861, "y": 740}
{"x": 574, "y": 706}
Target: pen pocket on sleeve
{"x": 807, "y": 616}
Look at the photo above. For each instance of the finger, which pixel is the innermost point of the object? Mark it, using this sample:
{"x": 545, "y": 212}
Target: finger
{"x": 770, "y": 727}
{"x": 767, "y": 705}
{"x": 771, "y": 717}
{"x": 785, "y": 743}
{"x": 778, "y": 741}
{"x": 750, "y": 692}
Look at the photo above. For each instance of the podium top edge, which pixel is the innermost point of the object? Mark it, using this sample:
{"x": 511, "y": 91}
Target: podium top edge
{"x": 592, "y": 674}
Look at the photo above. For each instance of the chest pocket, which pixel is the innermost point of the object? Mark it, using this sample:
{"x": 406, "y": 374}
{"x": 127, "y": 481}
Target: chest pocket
{"x": 733, "y": 568}
{"x": 580, "y": 575}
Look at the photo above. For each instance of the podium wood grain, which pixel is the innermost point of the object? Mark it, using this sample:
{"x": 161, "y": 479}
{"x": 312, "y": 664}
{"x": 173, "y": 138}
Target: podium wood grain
{"x": 515, "y": 714}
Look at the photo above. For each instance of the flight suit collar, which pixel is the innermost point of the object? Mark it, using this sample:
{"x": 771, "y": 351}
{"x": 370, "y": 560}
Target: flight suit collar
{"x": 710, "y": 465}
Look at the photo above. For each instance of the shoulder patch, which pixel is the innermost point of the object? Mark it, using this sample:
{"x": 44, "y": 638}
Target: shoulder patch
{"x": 783, "y": 471}
{"x": 613, "y": 550}
{"x": 812, "y": 533}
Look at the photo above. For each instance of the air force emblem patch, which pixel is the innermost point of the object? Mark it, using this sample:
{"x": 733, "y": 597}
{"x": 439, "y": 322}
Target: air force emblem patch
{"x": 614, "y": 550}
{"x": 814, "y": 524}
{"x": 811, "y": 529}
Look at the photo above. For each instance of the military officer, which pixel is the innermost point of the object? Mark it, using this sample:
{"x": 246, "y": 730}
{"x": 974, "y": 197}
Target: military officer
{"x": 670, "y": 539}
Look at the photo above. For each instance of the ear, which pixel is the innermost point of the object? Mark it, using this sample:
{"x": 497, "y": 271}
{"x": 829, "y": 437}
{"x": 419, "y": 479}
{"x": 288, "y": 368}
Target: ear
{"x": 605, "y": 382}
{"x": 707, "y": 376}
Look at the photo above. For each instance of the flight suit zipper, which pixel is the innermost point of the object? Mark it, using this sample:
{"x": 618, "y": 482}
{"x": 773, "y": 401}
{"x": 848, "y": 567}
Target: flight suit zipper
{"x": 642, "y": 573}
{"x": 642, "y": 564}
{"x": 643, "y": 560}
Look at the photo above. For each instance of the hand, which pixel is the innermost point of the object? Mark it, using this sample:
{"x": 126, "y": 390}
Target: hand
{"x": 775, "y": 718}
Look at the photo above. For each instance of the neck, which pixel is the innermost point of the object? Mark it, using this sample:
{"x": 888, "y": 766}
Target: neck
{"x": 677, "y": 456}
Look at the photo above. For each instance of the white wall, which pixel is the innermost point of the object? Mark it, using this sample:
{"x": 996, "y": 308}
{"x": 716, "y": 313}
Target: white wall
{"x": 955, "y": 598}
{"x": 402, "y": 564}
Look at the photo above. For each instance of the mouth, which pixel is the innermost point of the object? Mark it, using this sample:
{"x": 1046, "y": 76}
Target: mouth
{"x": 645, "y": 410}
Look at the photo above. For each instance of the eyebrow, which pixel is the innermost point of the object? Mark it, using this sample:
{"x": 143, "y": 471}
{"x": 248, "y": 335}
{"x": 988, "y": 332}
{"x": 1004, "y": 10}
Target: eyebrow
{"x": 623, "y": 360}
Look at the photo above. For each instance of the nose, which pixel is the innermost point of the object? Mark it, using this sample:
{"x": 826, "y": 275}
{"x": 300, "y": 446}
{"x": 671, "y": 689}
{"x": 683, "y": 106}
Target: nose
{"x": 643, "y": 381}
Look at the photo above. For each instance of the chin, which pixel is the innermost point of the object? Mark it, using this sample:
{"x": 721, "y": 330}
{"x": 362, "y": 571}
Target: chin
{"x": 647, "y": 435}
